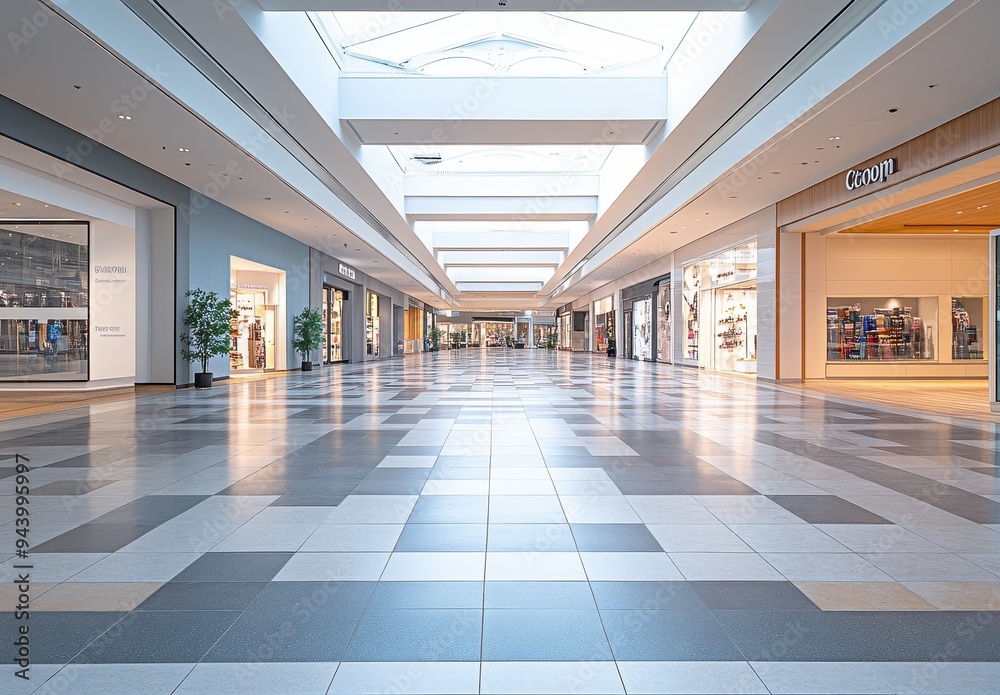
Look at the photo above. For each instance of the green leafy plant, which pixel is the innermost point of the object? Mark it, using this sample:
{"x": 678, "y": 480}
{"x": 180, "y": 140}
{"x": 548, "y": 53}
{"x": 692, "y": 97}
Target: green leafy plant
{"x": 208, "y": 319}
{"x": 435, "y": 335}
{"x": 307, "y": 332}
{"x": 550, "y": 341}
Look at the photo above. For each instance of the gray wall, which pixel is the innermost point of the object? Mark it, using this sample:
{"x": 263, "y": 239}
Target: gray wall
{"x": 217, "y": 232}
{"x": 355, "y": 314}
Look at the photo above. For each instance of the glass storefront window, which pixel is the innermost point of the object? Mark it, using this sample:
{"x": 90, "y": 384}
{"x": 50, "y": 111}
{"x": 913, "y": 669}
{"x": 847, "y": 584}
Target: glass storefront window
{"x": 642, "y": 329}
{"x": 373, "y": 326}
{"x": 333, "y": 319}
{"x": 731, "y": 268}
{"x": 968, "y": 337}
{"x": 663, "y": 341}
{"x": 44, "y": 297}
{"x": 881, "y": 328}
{"x": 566, "y": 332}
{"x": 542, "y": 334}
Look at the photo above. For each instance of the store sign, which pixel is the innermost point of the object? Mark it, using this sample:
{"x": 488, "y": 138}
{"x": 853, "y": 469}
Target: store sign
{"x": 416, "y": 303}
{"x": 347, "y": 272}
{"x": 879, "y": 173}
{"x": 249, "y": 286}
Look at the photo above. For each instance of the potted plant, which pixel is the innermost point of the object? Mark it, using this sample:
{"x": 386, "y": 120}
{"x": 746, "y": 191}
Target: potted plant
{"x": 208, "y": 319}
{"x": 550, "y": 341}
{"x": 435, "y": 335}
{"x": 307, "y": 334}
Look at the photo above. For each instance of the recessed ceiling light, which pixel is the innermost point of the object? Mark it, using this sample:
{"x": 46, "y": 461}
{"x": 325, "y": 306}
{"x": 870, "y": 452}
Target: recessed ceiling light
{"x": 893, "y": 110}
{"x": 834, "y": 138}
{"x": 959, "y": 212}
{"x": 674, "y": 231}
{"x": 124, "y": 117}
{"x": 955, "y": 231}
{"x": 698, "y": 220}
{"x": 17, "y": 205}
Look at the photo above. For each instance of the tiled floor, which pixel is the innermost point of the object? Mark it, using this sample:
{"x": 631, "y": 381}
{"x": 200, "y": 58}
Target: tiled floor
{"x": 504, "y": 522}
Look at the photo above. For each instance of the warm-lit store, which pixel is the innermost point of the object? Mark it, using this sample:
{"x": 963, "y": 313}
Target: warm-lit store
{"x": 494, "y": 331}
{"x": 896, "y": 267}
{"x": 719, "y": 293}
{"x": 257, "y": 293}
{"x": 564, "y": 328}
{"x": 336, "y": 329}
{"x": 416, "y": 331}
{"x": 604, "y": 323}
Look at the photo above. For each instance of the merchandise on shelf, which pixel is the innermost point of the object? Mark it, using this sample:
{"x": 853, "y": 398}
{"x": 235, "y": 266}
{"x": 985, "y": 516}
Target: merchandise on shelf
{"x": 886, "y": 334}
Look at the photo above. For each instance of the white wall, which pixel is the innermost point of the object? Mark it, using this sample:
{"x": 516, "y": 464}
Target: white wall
{"x": 760, "y": 227}
{"x": 892, "y": 266}
{"x": 112, "y": 339}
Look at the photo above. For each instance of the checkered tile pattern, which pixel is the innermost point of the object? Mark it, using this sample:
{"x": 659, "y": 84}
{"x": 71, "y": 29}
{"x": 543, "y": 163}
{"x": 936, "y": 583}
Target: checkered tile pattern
{"x": 505, "y": 522}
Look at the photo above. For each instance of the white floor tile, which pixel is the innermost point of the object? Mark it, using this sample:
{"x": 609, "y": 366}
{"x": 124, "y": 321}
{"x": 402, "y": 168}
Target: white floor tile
{"x": 413, "y": 678}
{"x": 517, "y": 677}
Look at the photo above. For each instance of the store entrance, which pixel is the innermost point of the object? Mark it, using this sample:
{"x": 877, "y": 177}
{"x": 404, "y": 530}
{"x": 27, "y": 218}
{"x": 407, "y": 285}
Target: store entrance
{"x": 257, "y": 294}
{"x": 334, "y": 340}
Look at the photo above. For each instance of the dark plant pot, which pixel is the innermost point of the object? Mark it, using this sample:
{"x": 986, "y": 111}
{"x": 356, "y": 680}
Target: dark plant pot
{"x": 203, "y": 380}
{"x": 307, "y": 366}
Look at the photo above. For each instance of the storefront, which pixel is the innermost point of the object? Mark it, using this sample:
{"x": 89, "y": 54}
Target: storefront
{"x": 415, "y": 329}
{"x": 373, "y": 324}
{"x": 564, "y": 327}
{"x": 664, "y": 339}
{"x": 256, "y": 292}
{"x": 544, "y": 332}
{"x": 336, "y": 338}
{"x": 642, "y": 327}
{"x": 720, "y": 310}
{"x": 494, "y": 331}
{"x": 604, "y": 324}
{"x": 44, "y": 301}
{"x": 897, "y": 284}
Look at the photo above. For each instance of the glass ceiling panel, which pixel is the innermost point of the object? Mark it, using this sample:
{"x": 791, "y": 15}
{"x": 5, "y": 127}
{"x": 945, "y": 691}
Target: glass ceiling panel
{"x": 502, "y": 160}
{"x": 516, "y": 43}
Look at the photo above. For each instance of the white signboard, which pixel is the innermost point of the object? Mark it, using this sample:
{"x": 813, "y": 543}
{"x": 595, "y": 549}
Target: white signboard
{"x": 112, "y": 302}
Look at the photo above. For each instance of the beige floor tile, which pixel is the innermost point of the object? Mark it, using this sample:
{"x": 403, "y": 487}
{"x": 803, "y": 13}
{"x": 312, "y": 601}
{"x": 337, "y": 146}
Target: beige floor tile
{"x": 959, "y": 596}
{"x": 96, "y": 596}
{"x": 863, "y": 596}
{"x": 9, "y": 592}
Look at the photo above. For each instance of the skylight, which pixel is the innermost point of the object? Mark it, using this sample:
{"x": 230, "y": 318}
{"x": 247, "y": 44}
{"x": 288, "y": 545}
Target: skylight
{"x": 501, "y": 160}
{"x": 501, "y": 43}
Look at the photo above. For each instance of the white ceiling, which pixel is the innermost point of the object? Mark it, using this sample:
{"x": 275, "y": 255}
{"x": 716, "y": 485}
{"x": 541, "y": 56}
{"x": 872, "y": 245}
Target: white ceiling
{"x": 959, "y": 58}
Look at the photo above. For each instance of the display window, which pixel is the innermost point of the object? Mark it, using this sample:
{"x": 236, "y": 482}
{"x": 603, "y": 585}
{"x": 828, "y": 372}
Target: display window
{"x": 44, "y": 300}
{"x": 566, "y": 332}
{"x": 493, "y": 334}
{"x": 542, "y": 334}
{"x": 736, "y": 336}
{"x": 333, "y": 324}
{"x": 373, "y": 325}
{"x": 720, "y": 310}
{"x": 881, "y": 328}
{"x": 252, "y": 332}
{"x": 642, "y": 329}
{"x": 603, "y": 324}
{"x": 664, "y": 343}
{"x": 968, "y": 337}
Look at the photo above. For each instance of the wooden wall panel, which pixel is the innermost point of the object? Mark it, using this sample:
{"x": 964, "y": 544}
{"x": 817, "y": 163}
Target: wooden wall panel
{"x": 962, "y": 137}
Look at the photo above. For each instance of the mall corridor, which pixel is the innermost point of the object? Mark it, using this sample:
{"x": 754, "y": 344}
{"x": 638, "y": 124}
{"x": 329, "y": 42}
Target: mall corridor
{"x": 500, "y": 521}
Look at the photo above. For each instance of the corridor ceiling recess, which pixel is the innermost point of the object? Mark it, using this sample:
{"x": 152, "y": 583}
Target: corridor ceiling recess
{"x": 498, "y": 155}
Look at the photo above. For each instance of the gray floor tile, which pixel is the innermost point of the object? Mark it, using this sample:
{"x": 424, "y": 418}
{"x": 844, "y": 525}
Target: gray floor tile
{"x": 668, "y": 635}
{"x": 544, "y": 635}
{"x": 417, "y": 635}
{"x": 167, "y": 637}
{"x": 234, "y": 567}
